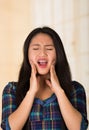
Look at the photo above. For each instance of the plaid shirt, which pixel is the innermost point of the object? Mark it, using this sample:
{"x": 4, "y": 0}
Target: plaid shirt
{"x": 46, "y": 114}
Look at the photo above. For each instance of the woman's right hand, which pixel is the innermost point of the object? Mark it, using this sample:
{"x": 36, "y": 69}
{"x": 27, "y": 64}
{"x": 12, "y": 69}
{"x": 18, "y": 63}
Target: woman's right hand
{"x": 34, "y": 79}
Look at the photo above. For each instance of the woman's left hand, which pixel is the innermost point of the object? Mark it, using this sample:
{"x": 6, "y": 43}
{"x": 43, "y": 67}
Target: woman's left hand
{"x": 53, "y": 83}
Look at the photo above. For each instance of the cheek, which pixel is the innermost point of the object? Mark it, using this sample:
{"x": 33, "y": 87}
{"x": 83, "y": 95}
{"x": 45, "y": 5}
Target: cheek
{"x": 53, "y": 62}
{"x": 31, "y": 58}
{"x": 53, "y": 59}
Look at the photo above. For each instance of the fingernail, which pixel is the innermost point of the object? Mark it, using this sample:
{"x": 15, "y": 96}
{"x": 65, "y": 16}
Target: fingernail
{"x": 31, "y": 62}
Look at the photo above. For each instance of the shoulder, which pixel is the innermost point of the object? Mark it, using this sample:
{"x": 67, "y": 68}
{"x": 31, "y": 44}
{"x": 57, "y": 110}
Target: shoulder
{"x": 10, "y": 87}
{"x": 78, "y": 89}
{"x": 77, "y": 86}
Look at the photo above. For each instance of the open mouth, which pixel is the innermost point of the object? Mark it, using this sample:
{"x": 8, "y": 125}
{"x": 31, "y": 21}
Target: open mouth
{"x": 42, "y": 63}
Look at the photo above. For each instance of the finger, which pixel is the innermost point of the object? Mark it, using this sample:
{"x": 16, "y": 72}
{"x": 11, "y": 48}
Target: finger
{"x": 54, "y": 78}
{"x": 52, "y": 71}
{"x": 48, "y": 83}
{"x": 54, "y": 62}
{"x": 33, "y": 68}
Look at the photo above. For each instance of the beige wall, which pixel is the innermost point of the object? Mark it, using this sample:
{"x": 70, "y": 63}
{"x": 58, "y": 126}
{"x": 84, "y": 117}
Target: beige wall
{"x": 70, "y": 18}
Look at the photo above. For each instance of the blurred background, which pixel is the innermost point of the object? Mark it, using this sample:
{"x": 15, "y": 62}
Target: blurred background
{"x": 70, "y": 18}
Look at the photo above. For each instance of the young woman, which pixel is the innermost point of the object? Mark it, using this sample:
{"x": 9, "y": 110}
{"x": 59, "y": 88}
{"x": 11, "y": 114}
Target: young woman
{"x": 45, "y": 97}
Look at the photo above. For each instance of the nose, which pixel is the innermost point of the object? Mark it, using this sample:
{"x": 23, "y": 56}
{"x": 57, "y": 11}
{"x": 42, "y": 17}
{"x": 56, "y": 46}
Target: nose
{"x": 43, "y": 52}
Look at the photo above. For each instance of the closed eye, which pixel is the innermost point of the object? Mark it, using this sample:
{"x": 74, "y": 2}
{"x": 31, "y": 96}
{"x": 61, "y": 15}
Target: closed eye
{"x": 35, "y": 48}
{"x": 49, "y": 48}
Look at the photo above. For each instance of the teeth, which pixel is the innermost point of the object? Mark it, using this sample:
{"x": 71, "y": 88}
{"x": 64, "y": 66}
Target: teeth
{"x": 42, "y": 61}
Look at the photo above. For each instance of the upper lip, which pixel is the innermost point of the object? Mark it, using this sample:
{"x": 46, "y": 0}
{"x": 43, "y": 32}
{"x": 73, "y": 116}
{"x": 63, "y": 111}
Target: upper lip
{"x": 42, "y": 60}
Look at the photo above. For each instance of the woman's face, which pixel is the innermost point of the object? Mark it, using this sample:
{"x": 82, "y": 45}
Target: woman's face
{"x": 42, "y": 53}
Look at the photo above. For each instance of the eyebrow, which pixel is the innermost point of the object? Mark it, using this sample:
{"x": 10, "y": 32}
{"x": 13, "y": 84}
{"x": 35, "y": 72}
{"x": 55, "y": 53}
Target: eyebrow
{"x": 44, "y": 45}
{"x": 49, "y": 45}
{"x": 35, "y": 45}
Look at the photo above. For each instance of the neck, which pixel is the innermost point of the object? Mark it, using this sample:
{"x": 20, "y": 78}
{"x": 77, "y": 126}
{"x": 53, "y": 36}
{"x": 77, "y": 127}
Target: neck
{"x": 44, "y": 91}
{"x": 42, "y": 80}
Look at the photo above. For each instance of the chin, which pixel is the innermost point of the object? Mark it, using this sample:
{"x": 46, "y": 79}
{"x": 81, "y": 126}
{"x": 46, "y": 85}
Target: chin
{"x": 43, "y": 73}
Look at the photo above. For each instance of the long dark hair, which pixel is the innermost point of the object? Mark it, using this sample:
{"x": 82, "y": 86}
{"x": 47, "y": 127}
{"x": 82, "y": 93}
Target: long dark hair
{"x": 61, "y": 67}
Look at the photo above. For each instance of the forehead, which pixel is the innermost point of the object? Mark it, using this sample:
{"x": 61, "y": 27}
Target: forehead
{"x": 42, "y": 38}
